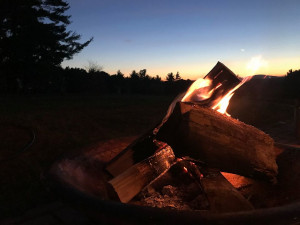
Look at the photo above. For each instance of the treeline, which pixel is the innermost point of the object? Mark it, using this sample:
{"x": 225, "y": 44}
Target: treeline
{"x": 35, "y": 40}
{"x": 292, "y": 84}
{"x": 76, "y": 81}
{"x": 82, "y": 81}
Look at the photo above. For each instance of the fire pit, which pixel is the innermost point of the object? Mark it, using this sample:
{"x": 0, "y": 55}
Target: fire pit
{"x": 196, "y": 166}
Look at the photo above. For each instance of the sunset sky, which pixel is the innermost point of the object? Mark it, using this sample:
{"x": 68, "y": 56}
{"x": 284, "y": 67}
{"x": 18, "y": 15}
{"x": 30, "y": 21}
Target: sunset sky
{"x": 189, "y": 36}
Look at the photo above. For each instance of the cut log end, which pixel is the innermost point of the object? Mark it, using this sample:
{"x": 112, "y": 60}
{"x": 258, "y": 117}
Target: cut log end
{"x": 220, "y": 141}
{"x": 129, "y": 183}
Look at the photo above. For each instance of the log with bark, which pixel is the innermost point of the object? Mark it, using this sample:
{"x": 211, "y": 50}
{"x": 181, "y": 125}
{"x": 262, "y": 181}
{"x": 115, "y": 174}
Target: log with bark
{"x": 220, "y": 141}
{"x": 137, "y": 151}
{"x": 129, "y": 183}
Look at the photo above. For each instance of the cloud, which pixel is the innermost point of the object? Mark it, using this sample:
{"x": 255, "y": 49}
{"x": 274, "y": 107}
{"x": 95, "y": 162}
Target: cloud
{"x": 242, "y": 50}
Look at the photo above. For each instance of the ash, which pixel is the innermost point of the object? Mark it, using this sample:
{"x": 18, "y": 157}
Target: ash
{"x": 184, "y": 197}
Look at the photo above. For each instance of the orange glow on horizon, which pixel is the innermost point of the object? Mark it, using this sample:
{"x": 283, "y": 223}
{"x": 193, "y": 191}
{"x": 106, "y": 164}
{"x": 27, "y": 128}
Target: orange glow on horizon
{"x": 274, "y": 67}
{"x": 243, "y": 68}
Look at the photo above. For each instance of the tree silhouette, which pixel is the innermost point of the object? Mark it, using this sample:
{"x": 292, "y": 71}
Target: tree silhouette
{"x": 157, "y": 78}
{"x": 119, "y": 74}
{"x": 93, "y": 67}
{"x": 292, "y": 83}
{"x": 170, "y": 77}
{"x": 134, "y": 75}
{"x": 142, "y": 74}
{"x": 177, "y": 76}
{"x": 34, "y": 38}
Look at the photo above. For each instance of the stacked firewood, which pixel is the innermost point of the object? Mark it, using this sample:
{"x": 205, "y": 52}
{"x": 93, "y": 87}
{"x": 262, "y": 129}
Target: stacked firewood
{"x": 178, "y": 164}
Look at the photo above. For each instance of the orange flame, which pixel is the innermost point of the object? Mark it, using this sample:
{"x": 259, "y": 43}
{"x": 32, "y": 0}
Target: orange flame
{"x": 201, "y": 90}
{"x": 222, "y": 105}
{"x": 198, "y": 91}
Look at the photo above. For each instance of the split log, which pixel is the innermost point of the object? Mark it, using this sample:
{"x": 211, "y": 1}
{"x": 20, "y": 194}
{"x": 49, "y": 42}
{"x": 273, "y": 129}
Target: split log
{"x": 222, "y": 81}
{"x": 129, "y": 183}
{"x": 221, "y": 74}
{"x": 137, "y": 151}
{"x": 220, "y": 141}
{"x": 221, "y": 195}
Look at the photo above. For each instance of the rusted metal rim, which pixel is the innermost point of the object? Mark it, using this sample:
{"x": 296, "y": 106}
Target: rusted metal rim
{"x": 287, "y": 214}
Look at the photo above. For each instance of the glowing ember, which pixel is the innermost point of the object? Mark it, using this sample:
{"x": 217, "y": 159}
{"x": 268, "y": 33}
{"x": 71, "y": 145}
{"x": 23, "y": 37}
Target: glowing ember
{"x": 201, "y": 90}
{"x": 185, "y": 169}
{"x": 236, "y": 180}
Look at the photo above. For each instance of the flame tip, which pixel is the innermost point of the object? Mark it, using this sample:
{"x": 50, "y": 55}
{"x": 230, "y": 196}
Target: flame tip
{"x": 202, "y": 89}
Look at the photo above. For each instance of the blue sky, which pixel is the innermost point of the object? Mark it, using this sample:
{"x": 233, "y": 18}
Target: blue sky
{"x": 189, "y": 36}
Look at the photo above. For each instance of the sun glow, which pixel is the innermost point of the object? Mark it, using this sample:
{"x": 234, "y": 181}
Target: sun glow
{"x": 256, "y": 63}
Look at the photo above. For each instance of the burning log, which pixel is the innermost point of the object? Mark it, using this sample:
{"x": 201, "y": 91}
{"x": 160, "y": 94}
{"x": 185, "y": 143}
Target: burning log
{"x": 129, "y": 183}
{"x": 192, "y": 128}
{"x": 218, "y": 83}
{"x": 220, "y": 141}
{"x": 222, "y": 74}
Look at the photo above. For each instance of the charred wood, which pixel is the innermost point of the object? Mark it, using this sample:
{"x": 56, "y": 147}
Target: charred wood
{"x": 176, "y": 188}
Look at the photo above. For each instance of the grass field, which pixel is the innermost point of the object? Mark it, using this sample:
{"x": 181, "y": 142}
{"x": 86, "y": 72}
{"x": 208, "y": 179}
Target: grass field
{"x": 62, "y": 124}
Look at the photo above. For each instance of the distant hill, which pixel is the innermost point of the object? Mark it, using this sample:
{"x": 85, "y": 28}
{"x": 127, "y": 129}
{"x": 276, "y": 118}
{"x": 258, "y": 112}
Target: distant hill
{"x": 253, "y": 102}
{"x": 263, "y": 76}
{"x": 262, "y": 87}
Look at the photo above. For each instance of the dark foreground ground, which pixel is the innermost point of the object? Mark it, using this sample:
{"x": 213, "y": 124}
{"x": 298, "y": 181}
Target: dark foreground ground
{"x": 61, "y": 124}
{"x": 65, "y": 124}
